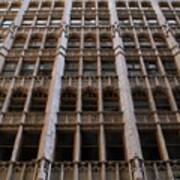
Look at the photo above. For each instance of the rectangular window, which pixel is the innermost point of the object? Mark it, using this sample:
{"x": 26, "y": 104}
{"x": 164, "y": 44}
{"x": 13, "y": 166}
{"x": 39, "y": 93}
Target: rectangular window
{"x": 64, "y": 146}
{"x": 172, "y": 139}
{"x": 114, "y": 146}
{"x": 9, "y": 68}
{"x": 89, "y": 68}
{"x": 45, "y": 68}
{"x": 6, "y": 145}
{"x": 89, "y": 146}
{"x": 27, "y": 69}
{"x": 151, "y": 67}
{"x": 71, "y": 68}
{"x": 134, "y": 68}
{"x": 149, "y": 144}
{"x": 108, "y": 68}
{"x": 29, "y": 146}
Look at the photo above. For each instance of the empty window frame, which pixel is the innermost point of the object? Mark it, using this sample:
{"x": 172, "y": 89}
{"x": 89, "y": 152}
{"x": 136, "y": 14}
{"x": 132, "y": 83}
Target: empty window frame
{"x": 90, "y": 41}
{"x": 110, "y": 99}
{"x": 176, "y": 92}
{"x": 89, "y": 146}
{"x": 71, "y": 68}
{"x": 29, "y": 145}
{"x": 68, "y": 99}
{"x": 51, "y": 41}
{"x": 38, "y": 100}
{"x": 18, "y": 100}
{"x": 128, "y": 42}
{"x": 151, "y": 67}
{"x": 6, "y": 144}
{"x": 89, "y": 99}
{"x": 6, "y": 23}
{"x": 19, "y": 41}
{"x": 74, "y": 41}
{"x": 35, "y": 42}
{"x": 45, "y": 68}
{"x": 2, "y": 97}
{"x": 114, "y": 145}
{"x": 134, "y": 68}
{"x": 169, "y": 66}
{"x": 89, "y": 68}
{"x": 106, "y": 41}
{"x": 64, "y": 146}
{"x": 161, "y": 99}
{"x": 108, "y": 66}
{"x": 9, "y": 68}
{"x": 172, "y": 139}
{"x": 149, "y": 144}
{"x": 27, "y": 68}
{"x": 140, "y": 99}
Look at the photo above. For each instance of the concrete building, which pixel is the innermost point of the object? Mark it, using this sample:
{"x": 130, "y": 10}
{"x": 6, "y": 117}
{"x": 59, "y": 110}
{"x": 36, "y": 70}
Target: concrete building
{"x": 90, "y": 90}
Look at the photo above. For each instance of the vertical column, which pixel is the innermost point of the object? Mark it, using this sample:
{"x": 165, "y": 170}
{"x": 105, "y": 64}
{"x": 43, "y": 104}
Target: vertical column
{"x": 48, "y": 136}
{"x": 130, "y": 130}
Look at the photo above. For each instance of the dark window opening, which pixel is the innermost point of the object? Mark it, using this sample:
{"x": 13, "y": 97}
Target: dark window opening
{"x": 38, "y": 101}
{"x": 89, "y": 146}
{"x": 89, "y": 99}
{"x": 149, "y": 144}
{"x": 18, "y": 100}
{"x": 6, "y": 145}
{"x": 68, "y": 99}
{"x": 114, "y": 146}
{"x": 29, "y": 146}
{"x": 110, "y": 99}
{"x": 172, "y": 139}
{"x": 64, "y": 146}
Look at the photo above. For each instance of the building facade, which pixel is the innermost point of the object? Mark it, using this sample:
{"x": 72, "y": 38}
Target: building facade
{"x": 90, "y": 89}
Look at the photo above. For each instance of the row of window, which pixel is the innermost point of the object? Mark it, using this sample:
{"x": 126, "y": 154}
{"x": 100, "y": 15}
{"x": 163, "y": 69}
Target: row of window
{"x": 90, "y": 68}
{"x": 111, "y": 99}
{"x": 36, "y": 41}
{"x": 43, "y": 19}
{"x": 27, "y": 68}
{"x": 11, "y": 6}
{"x": 19, "y": 96}
{"x": 90, "y": 142}
{"x": 153, "y": 66}
{"x": 161, "y": 98}
{"x": 145, "y": 42}
{"x": 90, "y": 5}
